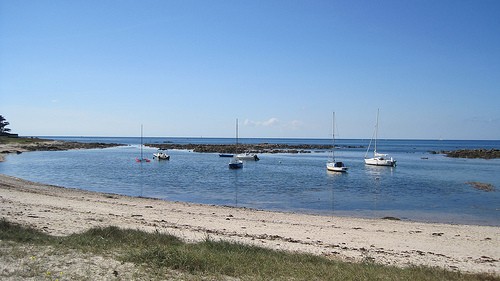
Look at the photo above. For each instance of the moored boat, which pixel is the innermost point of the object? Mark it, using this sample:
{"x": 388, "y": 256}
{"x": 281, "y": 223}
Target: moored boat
{"x": 248, "y": 156}
{"x": 225, "y": 155}
{"x": 333, "y": 165}
{"x": 235, "y": 162}
{"x": 161, "y": 156}
{"x": 142, "y": 159}
{"x": 336, "y": 167}
{"x": 378, "y": 159}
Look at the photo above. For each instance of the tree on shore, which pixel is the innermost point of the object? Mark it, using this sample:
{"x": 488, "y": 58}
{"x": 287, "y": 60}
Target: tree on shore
{"x": 3, "y": 125}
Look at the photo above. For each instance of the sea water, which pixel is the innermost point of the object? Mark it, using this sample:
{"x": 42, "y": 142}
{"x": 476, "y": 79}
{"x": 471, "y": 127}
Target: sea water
{"x": 423, "y": 186}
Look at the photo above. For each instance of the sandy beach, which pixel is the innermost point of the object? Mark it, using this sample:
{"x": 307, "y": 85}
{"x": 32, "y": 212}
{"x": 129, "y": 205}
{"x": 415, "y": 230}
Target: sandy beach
{"x": 63, "y": 211}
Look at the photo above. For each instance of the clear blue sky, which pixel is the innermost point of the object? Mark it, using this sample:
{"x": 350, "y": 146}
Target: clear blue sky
{"x": 190, "y": 68}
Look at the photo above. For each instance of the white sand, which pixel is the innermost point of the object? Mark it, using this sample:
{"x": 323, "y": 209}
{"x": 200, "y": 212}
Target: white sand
{"x": 62, "y": 211}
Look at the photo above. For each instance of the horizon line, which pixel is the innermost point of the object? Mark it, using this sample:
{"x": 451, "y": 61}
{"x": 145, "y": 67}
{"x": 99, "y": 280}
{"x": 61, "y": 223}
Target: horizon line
{"x": 211, "y": 137}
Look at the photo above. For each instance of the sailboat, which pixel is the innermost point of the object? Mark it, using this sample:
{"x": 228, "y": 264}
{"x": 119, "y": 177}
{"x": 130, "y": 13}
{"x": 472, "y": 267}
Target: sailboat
{"x": 333, "y": 165}
{"x": 378, "y": 159}
{"x": 142, "y": 159}
{"x": 236, "y": 163}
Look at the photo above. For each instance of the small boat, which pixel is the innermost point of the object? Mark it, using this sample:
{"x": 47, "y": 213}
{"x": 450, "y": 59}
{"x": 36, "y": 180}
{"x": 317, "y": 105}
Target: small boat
{"x": 160, "y": 155}
{"x": 248, "y": 156}
{"x": 333, "y": 165}
{"x": 378, "y": 159}
{"x": 225, "y": 155}
{"x": 142, "y": 159}
{"x": 235, "y": 162}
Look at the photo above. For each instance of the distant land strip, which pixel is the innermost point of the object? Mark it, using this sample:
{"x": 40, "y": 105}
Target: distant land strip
{"x": 20, "y": 145}
{"x": 251, "y": 148}
{"x": 65, "y": 145}
{"x": 471, "y": 153}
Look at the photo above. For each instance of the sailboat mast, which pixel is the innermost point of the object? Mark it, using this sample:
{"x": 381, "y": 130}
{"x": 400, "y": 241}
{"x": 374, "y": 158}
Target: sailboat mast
{"x": 376, "y": 132}
{"x": 333, "y": 136}
{"x": 141, "y": 143}
{"x": 236, "y": 135}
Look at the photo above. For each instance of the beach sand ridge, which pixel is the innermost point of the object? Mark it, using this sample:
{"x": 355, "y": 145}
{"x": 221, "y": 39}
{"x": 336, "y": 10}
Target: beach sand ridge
{"x": 63, "y": 211}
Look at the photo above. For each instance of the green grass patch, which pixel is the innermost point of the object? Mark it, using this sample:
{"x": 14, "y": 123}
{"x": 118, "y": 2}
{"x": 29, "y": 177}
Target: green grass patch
{"x": 219, "y": 259}
{"x": 14, "y": 232}
{"x": 99, "y": 240}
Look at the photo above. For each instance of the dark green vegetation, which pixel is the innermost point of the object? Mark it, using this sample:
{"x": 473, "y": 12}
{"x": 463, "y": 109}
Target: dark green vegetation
{"x": 3, "y": 125}
{"x": 159, "y": 254}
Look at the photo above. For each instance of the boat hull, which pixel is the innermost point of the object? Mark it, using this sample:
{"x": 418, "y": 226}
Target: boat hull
{"x": 226, "y": 155}
{"x": 235, "y": 163}
{"x": 380, "y": 162}
{"x": 248, "y": 157}
{"x": 336, "y": 167}
{"x": 234, "y": 166}
{"x": 161, "y": 156}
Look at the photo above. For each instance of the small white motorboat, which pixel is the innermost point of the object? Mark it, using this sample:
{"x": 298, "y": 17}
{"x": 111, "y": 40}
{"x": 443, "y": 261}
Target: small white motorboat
{"x": 161, "y": 156}
{"x": 248, "y": 156}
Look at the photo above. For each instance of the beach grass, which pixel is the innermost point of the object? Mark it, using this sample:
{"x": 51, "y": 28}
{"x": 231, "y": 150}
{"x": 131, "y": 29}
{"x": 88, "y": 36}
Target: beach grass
{"x": 159, "y": 254}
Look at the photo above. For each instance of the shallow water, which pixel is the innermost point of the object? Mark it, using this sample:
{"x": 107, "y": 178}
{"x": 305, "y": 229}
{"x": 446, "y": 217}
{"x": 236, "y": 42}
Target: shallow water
{"x": 432, "y": 189}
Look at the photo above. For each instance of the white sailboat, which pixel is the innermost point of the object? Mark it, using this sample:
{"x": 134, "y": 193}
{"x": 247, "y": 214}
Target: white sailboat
{"x": 378, "y": 159}
{"x": 235, "y": 162}
{"x": 332, "y": 165}
{"x": 142, "y": 159}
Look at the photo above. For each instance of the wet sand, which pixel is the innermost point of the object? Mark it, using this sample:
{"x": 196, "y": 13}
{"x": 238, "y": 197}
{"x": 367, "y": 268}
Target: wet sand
{"x": 63, "y": 211}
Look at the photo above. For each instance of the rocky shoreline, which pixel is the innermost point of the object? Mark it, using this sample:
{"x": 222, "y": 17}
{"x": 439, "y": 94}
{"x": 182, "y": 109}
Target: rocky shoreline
{"x": 20, "y": 145}
{"x": 251, "y": 148}
{"x": 488, "y": 187}
{"x": 471, "y": 153}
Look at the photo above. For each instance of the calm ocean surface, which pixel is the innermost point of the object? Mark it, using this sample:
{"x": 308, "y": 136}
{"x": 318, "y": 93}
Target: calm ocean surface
{"x": 432, "y": 189}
